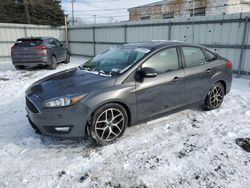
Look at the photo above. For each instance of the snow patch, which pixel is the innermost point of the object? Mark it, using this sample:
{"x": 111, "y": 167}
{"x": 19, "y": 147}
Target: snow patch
{"x": 191, "y": 148}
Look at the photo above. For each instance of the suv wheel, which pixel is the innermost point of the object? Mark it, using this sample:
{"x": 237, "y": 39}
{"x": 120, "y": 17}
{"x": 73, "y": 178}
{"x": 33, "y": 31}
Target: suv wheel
{"x": 215, "y": 96}
{"x": 67, "y": 60}
{"x": 19, "y": 67}
{"x": 107, "y": 124}
{"x": 53, "y": 63}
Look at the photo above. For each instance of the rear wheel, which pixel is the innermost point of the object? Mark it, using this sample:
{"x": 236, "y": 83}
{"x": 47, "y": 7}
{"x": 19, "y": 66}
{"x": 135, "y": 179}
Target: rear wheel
{"x": 215, "y": 96}
{"x": 67, "y": 59}
{"x": 53, "y": 63}
{"x": 107, "y": 124}
{"x": 19, "y": 67}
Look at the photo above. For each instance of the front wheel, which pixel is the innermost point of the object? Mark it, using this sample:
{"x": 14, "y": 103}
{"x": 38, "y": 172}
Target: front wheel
{"x": 107, "y": 124}
{"x": 215, "y": 96}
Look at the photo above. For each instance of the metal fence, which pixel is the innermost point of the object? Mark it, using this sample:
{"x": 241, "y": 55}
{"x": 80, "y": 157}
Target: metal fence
{"x": 10, "y": 32}
{"x": 226, "y": 34}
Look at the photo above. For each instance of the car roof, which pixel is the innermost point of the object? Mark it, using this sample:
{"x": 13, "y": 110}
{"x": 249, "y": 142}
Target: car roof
{"x": 159, "y": 44}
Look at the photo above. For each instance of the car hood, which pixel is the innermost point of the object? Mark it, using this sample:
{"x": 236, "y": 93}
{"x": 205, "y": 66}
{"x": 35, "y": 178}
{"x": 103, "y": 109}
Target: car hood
{"x": 69, "y": 82}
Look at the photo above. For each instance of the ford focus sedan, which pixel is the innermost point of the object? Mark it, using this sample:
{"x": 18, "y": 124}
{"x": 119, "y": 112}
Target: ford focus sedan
{"x": 125, "y": 85}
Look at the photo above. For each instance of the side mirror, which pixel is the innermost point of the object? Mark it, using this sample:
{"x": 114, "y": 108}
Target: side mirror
{"x": 61, "y": 44}
{"x": 145, "y": 72}
{"x": 148, "y": 72}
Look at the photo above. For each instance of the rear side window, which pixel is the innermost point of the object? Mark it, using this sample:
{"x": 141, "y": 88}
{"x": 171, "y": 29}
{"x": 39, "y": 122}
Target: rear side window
{"x": 210, "y": 56}
{"x": 54, "y": 42}
{"x": 163, "y": 61}
{"x": 28, "y": 42}
{"x": 193, "y": 56}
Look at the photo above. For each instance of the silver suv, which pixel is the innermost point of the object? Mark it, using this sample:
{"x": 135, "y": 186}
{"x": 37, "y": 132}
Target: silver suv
{"x": 39, "y": 51}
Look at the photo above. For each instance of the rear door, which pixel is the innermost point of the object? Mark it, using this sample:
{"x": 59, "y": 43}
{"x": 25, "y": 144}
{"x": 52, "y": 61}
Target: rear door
{"x": 55, "y": 49}
{"x": 197, "y": 74}
{"x": 164, "y": 92}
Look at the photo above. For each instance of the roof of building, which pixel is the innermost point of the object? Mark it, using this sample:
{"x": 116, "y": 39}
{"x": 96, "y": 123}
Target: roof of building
{"x": 151, "y": 4}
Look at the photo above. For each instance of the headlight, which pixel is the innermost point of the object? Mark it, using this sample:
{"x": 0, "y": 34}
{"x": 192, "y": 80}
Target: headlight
{"x": 62, "y": 101}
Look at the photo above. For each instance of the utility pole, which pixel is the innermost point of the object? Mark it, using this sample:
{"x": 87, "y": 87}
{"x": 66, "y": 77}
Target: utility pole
{"x": 26, "y": 10}
{"x": 73, "y": 12}
{"x": 94, "y": 19}
{"x": 193, "y": 21}
{"x": 66, "y": 30}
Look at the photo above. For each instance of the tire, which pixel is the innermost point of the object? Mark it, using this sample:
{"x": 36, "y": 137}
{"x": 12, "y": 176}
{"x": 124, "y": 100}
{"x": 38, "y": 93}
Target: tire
{"x": 67, "y": 59}
{"x": 53, "y": 63}
{"x": 19, "y": 67}
{"x": 107, "y": 124}
{"x": 215, "y": 97}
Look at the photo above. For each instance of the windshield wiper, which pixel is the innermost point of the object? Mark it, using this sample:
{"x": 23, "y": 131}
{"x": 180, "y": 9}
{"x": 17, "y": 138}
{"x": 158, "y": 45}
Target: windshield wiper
{"x": 91, "y": 70}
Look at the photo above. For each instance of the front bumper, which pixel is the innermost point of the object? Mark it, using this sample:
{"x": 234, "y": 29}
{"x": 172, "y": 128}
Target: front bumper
{"x": 67, "y": 122}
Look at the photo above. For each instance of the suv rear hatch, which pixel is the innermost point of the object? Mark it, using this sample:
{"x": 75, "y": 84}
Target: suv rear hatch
{"x": 25, "y": 49}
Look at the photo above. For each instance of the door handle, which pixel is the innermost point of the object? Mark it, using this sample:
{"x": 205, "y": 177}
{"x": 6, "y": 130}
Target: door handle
{"x": 176, "y": 78}
{"x": 208, "y": 71}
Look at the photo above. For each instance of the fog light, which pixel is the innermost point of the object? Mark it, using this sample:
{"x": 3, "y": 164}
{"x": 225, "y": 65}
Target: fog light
{"x": 62, "y": 129}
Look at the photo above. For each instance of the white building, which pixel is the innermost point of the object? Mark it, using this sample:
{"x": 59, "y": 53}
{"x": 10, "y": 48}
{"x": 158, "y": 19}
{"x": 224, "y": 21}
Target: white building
{"x": 173, "y": 8}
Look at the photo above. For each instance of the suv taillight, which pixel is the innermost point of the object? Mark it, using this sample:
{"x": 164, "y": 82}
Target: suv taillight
{"x": 41, "y": 47}
{"x": 229, "y": 64}
{"x": 13, "y": 48}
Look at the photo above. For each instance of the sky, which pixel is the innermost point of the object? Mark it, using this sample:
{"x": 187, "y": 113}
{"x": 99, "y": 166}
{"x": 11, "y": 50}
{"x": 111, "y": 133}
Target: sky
{"x": 86, "y": 9}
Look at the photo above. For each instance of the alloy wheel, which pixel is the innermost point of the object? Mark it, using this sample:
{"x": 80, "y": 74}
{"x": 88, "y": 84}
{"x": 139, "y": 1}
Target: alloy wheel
{"x": 216, "y": 96}
{"x": 109, "y": 124}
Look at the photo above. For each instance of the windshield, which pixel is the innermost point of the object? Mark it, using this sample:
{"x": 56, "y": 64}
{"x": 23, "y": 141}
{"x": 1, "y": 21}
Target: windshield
{"x": 115, "y": 61}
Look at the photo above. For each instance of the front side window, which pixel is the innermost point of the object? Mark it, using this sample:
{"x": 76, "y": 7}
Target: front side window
{"x": 52, "y": 42}
{"x": 193, "y": 56}
{"x": 163, "y": 61}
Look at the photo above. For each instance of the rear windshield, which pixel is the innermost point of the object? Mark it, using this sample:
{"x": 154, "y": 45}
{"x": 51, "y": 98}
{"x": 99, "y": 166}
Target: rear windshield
{"x": 28, "y": 42}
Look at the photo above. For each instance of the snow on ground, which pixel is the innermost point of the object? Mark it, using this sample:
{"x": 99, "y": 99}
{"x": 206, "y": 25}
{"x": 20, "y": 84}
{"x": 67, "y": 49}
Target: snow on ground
{"x": 191, "y": 148}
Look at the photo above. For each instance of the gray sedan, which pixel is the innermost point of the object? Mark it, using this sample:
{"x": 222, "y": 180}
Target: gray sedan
{"x": 39, "y": 51}
{"x": 127, "y": 85}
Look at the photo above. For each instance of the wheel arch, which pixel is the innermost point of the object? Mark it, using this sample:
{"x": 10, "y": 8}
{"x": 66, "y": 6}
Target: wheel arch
{"x": 220, "y": 77}
{"x": 124, "y": 105}
{"x": 224, "y": 85}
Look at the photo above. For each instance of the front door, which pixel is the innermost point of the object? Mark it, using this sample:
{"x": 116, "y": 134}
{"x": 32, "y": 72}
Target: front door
{"x": 165, "y": 91}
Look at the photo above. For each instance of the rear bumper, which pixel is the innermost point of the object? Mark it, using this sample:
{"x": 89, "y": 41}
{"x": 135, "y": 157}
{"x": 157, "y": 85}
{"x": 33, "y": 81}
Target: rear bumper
{"x": 31, "y": 62}
{"x": 68, "y": 122}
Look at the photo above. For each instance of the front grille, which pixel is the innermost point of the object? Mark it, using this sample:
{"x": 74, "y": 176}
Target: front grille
{"x": 31, "y": 106}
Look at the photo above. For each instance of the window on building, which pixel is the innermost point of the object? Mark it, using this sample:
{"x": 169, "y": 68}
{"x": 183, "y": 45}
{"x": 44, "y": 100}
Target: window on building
{"x": 168, "y": 15}
{"x": 145, "y": 18}
{"x": 198, "y": 12}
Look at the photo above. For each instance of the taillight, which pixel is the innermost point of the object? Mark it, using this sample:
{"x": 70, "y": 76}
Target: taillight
{"x": 229, "y": 64}
{"x": 13, "y": 48}
{"x": 41, "y": 47}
